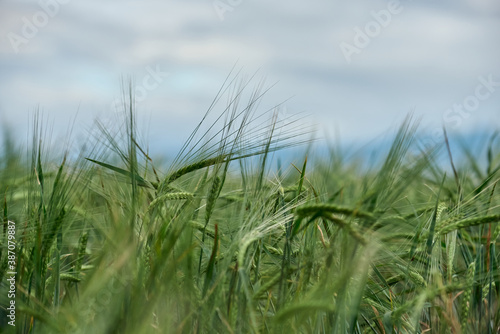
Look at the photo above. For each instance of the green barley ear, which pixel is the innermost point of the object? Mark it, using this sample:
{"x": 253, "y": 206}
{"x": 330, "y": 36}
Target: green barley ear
{"x": 486, "y": 290}
{"x": 82, "y": 247}
{"x": 69, "y": 278}
{"x": 212, "y": 198}
{"x": 146, "y": 258}
{"x": 475, "y": 221}
{"x": 432, "y": 228}
{"x": 170, "y": 196}
{"x": 145, "y": 267}
{"x": 467, "y": 294}
{"x": 193, "y": 167}
{"x": 414, "y": 275}
{"x": 451, "y": 244}
{"x": 440, "y": 209}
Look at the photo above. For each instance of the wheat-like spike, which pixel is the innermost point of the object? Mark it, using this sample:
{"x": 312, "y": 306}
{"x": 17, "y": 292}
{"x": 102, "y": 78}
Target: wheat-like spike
{"x": 274, "y": 250}
{"x": 146, "y": 259}
{"x": 290, "y": 189}
{"x": 170, "y": 196}
{"x": 395, "y": 279}
{"x": 486, "y": 289}
{"x": 441, "y": 207}
{"x": 415, "y": 276}
{"x": 194, "y": 166}
{"x": 212, "y": 197}
{"x": 467, "y": 294}
{"x": 451, "y": 244}
{"x": 69, "y": 278}
{"x": 450, "y": 221}
{"x": 469, "y": 222}
{"x": 82, "y": 246}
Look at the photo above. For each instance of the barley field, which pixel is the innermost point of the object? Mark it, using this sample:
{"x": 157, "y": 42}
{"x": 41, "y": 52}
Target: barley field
{"x": 227, "y": 237}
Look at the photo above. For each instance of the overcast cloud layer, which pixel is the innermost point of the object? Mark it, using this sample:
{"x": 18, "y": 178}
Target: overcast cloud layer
{"x": 428, "y": 57}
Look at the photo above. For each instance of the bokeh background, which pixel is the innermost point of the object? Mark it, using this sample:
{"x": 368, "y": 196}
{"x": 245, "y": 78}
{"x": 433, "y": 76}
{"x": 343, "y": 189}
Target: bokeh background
{"x": 66, "y": 58}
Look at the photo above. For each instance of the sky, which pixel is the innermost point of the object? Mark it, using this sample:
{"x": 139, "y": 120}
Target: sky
{"x": 353, "y": 68}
